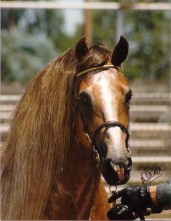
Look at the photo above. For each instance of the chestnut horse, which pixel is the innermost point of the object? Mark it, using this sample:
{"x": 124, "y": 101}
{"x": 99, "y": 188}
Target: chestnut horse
{"x": 70, "y": 126}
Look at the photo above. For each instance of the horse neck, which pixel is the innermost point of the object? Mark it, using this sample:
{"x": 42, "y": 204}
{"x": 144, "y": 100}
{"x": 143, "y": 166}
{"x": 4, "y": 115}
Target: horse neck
{"x": 80, "y": 159}
{"x": 80, "y": 150}
{"x": 79, "y": 179}
{"x": 81, "y": 155}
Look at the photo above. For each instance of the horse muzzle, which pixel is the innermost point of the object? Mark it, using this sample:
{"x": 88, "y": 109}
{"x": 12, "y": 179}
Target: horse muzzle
{"x": 116, "y": 173}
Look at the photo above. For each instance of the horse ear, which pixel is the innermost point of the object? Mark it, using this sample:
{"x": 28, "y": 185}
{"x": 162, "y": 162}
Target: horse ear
{"x": 120, "y": 52}
{"x": 81, "y": 48}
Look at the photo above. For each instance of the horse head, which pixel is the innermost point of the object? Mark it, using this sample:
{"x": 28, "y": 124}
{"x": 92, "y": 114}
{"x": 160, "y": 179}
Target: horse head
{"x": 102, "y": 97}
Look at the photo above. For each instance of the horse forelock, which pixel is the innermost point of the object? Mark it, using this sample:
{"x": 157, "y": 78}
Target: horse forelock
{"x": 98, "y": 55}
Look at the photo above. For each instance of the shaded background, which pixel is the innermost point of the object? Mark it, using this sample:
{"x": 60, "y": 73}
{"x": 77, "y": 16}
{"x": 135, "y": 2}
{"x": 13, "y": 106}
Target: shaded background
{"x": 30, "y": 38}
{"x": 55, "y": 31}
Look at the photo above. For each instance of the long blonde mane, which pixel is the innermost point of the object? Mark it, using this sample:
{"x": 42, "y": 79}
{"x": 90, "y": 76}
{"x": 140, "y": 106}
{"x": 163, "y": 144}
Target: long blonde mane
{"x": 40, "y": 136}
{"x": 35, "y": 150}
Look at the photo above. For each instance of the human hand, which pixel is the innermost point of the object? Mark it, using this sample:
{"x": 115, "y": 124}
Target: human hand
{"x": 137, "y": 198}
{"x": 120, "y": 212}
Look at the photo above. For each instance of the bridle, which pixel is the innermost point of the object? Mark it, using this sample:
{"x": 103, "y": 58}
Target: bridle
{"x": 106, "y": 125}
{"x": 92, "y": 138}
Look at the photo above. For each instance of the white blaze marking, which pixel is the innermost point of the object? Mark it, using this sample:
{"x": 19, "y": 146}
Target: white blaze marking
{"x": 110, "y": 113}
{"x": 106, "y": 96}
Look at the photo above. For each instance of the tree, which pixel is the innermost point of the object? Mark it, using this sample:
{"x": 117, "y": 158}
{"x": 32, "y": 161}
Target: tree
{"x": 148, "y": 32}
{"x": 148, "y": 35}
{"x": 23, "y": 55}
{"x": 30, "y": 39}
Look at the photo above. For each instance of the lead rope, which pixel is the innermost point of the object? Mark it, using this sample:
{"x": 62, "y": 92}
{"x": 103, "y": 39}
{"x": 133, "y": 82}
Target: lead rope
{"x": 113, "y": 192}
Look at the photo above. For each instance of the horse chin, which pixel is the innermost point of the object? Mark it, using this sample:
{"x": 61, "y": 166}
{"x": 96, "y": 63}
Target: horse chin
{"x": 114, "y": 174}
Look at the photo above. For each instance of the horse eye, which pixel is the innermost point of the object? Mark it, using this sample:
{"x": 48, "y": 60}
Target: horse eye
{"x": 128, "y": 96}
{"x": 84, "y": 100}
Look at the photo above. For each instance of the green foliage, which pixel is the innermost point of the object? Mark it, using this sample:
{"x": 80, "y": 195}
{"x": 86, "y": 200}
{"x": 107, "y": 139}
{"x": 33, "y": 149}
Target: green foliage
{"x": 148, "y": 33}
{"x": 31, "y": 38}
{"x": 24, "y": 55}
{"x": 104, "y": 27}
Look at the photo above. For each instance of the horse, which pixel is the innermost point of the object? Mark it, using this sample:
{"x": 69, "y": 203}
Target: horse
{"x": 70, "y": 126}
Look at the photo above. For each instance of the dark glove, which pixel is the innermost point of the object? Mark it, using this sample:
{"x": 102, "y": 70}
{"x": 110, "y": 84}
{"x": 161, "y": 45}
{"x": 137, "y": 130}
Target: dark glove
{"x": 120, "y": 212}
{"x": 137, "y": 198}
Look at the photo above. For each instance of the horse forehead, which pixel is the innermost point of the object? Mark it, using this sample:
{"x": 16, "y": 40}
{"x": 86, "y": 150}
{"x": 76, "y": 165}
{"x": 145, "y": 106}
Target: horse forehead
{"x": 104, "y": 80}
{"x": 105, "y": 76}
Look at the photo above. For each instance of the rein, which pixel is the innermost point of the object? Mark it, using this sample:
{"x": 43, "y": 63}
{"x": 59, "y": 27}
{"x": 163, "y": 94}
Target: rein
{"x": 92, "y": 138}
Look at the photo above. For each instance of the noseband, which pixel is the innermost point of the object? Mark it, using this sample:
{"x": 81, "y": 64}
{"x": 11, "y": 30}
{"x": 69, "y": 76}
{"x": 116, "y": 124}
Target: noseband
{"x": 108, "y": 124}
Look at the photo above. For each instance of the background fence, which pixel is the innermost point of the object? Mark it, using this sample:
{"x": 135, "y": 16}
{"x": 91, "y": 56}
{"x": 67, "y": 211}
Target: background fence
{"x": 150, "y": 111}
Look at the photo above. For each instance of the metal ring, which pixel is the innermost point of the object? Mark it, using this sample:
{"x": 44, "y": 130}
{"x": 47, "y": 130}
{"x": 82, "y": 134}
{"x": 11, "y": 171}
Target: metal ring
{"x": 112, "y": 191}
